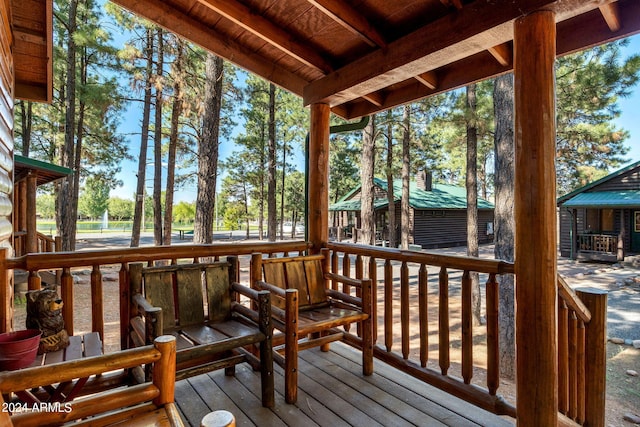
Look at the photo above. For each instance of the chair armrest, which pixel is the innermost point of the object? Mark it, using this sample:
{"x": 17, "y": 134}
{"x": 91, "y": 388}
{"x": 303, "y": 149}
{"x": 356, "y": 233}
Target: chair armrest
{"x": 261, "y": 316}
{"x": 344, "y": 279}
{"x": 154, "y": 325}
{"x": 142, "y": 304}
{"x": 346, "y": 298}
{"x": 271, "y": 288}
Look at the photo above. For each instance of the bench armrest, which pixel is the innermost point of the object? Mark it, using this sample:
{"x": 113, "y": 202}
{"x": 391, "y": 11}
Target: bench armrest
{"x": 261, "y": 316}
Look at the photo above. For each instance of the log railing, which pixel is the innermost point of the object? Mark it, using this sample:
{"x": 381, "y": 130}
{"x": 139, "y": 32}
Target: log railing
{"x": 598, "y": 243}
{"x": 408, "y": 300}
{"x": 95, "y": 260}
{"x": 44, "y": 243}
{"x": 582, "y": 318}
{"x": 415, "y": 302}
{"x": 581, "y": 333}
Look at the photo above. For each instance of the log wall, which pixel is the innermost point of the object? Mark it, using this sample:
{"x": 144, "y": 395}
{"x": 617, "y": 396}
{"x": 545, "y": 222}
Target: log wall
{"x": 6, "y": 160}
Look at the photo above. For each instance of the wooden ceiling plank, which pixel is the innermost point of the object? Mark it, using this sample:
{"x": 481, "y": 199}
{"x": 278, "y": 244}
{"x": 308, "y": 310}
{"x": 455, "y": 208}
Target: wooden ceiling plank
{"x": 200, "y": 34}
{"x": 351, "y": 19}
{"x": 429, "y": 79}
{"x": 503, "y": 53}
{"x": 478, "y": 26}
{"x": 257, "y": 25}
{"x": 611, "y": 14}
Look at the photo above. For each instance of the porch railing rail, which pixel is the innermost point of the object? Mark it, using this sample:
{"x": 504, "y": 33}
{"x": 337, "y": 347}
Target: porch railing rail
{"x": 581, "y": 332}
{"x": 44, "y": 243}
{"x": 598, "y": 243}
{"x": 95, "y": 259}
{"x": 582, "y": 317}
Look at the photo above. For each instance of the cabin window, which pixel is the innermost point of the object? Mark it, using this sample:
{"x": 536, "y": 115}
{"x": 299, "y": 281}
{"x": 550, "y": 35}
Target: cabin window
{"x": 599, "y": 220}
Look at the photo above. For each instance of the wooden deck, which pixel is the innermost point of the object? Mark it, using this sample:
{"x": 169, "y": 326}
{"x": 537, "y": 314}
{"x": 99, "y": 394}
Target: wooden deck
{"x": 332, "y": 392}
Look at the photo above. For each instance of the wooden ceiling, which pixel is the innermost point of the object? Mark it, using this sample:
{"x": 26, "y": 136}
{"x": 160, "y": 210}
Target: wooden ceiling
{"x": 32, "y": 49}
{"x": 359, "y": 56}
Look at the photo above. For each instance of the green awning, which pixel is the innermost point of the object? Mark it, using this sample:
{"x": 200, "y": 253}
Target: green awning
{"x": 46, "y": 172}
{"x": 605, "y": 199}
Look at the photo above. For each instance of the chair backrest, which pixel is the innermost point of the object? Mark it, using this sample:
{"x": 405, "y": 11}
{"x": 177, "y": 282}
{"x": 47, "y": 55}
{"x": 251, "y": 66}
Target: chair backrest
{"x": 181, "y": 290}
{"x": 303, "y": 273}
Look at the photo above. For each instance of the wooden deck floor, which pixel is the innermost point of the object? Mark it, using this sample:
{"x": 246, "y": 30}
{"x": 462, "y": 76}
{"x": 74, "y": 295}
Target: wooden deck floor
{"x": 332, "y": 392}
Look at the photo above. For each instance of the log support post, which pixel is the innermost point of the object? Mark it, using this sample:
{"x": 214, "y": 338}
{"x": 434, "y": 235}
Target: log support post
{"x": 31, "y": 228}
{"x": 595, "y": 355}
{"x": 535, "y": 219}
{"x": 318, "y": 188}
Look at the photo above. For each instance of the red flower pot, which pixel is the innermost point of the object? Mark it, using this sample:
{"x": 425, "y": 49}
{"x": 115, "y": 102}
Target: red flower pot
{"x": 18, "y": 349}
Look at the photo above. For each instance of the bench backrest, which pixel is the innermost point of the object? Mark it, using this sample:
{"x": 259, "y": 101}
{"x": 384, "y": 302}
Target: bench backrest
{"x": 303, "y": 273}
{"x": 181, "y": 291}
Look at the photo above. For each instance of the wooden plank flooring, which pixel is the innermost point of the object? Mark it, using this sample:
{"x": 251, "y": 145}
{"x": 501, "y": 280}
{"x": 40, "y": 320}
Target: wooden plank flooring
{"x": 331, "y": 392}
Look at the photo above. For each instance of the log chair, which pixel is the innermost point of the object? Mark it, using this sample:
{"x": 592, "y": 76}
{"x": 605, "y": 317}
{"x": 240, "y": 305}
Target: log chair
{"x": 309, "y": 313}
{"x": 199, "y": 304}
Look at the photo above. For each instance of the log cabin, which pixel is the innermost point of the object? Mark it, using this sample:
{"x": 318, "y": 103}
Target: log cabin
{"x": 358, "y": 58}
{"x": 437, "y": 214}
{"x": 601, "y": 220}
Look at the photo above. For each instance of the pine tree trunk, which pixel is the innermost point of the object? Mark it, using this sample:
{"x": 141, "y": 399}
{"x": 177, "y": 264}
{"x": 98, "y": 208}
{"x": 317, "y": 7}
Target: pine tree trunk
{"x": 157, "y": 144}
{"x": 367, "y": 193}
{"x": 176, "y": 111}
{"x": 390, "y": 193}
{"x": 503, "y": 218}
{"x": 208, "y": 152}
{"x": 66, "y": 219}
{"x": 472, "y": 198}
{"x": 405, "y": 225}
{"x": 261, "y": 177}
{"x": 284, "y": 167}
{"x": 27, "y": 121}
{"x": 138, "y": 214}
{"x": 271, "y": 179}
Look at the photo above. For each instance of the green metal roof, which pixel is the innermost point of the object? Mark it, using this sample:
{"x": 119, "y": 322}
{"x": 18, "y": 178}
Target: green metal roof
{"x": 605, "y": 199}
{"x": 46, "y": 172}
{"x": 442, "y": 196}
{"x": 612, "y": 175}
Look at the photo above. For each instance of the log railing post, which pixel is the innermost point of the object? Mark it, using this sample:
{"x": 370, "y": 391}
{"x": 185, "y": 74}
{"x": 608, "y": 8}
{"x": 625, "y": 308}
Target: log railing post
{"x": 6, "y": 294}
{"x": 535, "y": 218}
{"x": 66, "y": 293}
{"x": 164, "y": 371}
{"x": 125, "y": 305}
{"x": 595, "y": 355}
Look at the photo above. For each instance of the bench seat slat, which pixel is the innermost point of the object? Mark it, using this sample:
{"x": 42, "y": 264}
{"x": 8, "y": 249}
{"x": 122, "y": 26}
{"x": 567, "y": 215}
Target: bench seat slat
{"x": 92, "y": 344}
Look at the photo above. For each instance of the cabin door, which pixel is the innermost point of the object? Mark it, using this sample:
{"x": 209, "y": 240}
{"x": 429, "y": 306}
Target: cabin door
{"x": 635, "y": 232}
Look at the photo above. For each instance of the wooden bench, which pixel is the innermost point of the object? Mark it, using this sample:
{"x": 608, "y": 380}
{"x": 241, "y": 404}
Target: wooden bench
{"x": 309, "y": 313}
{"x": 199, "y": 305}
{"x": 139, "y": 405}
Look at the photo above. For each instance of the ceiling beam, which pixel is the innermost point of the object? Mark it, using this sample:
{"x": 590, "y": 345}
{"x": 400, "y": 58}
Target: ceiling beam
{"x": 429, "y": 79}
{"x": 573, "y": 35}
{"x": 244, "y": 17}
{"x": 351, "y": 19}
{"x": 478, "y": 26}
{"x": 611, "y": 14}
{"x": 200, "y": 34}
{"x": 503, "y": 53}
{"x": 375, "y": 98}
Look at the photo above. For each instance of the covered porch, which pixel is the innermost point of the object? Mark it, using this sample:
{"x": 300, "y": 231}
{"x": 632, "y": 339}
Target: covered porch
{"x": 355, "y": 62}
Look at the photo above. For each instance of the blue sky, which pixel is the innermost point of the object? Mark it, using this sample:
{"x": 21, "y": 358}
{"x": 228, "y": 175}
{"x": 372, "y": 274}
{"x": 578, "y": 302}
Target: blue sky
{"x": 629, "y": 120}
